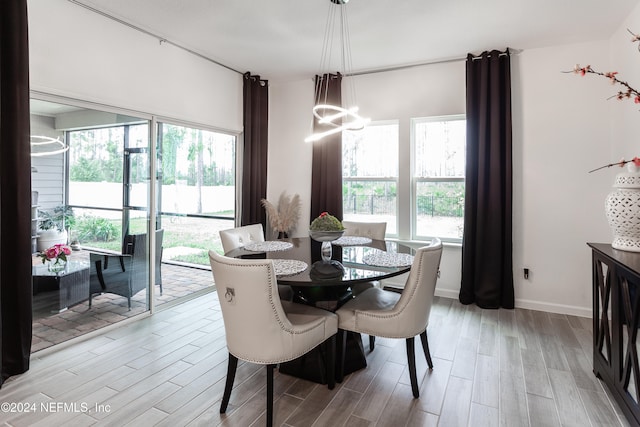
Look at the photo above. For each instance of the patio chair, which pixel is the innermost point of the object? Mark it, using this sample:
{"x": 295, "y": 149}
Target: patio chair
{"x": 138, "y": 242}
{"x": 125, "y": 274}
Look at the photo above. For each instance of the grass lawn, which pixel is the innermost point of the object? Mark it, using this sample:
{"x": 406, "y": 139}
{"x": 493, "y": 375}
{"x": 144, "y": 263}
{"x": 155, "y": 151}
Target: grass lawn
{"x": 179, "y": 232}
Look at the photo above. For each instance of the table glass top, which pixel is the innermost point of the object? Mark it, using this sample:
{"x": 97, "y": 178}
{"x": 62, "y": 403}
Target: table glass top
{"x": 349, "y": 265}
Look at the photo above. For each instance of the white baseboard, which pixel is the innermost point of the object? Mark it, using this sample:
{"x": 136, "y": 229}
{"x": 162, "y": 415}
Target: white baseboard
{"x": 555, "y": 308}
{"x": 447, "y": 293}
{"x": 532, "y": 305}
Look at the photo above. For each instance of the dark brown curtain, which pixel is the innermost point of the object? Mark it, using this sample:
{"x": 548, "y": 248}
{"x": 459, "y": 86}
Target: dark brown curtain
{"x": 254, "y": 165}
{"x": 15, "y": 191}
{"x": 326, "y": 169}
{"x": 487, "y": 264}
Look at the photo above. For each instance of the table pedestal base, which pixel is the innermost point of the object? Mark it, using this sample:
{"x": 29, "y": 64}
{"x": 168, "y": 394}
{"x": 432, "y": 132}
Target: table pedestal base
{"x": 312, "y": 366}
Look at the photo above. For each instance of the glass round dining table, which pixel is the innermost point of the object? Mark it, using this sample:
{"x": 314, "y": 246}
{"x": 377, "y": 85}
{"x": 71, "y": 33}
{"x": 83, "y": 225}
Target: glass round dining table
{"x": 327, "y": 283}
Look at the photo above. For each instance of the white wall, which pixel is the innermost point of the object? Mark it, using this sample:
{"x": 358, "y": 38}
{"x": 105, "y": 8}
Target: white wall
{"x": 289, "y": 163}
{"x": 625, "y": 115}
{"x": 79, "y": 54}
{"x": 560, "y": 131}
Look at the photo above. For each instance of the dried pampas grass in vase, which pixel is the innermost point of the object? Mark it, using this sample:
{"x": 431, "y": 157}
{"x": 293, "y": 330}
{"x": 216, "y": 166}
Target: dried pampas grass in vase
{"x": 284, "y": 217}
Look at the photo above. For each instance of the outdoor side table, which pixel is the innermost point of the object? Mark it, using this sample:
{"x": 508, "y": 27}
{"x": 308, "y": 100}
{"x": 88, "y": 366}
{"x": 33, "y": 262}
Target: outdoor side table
{"x": 71, "y": 284}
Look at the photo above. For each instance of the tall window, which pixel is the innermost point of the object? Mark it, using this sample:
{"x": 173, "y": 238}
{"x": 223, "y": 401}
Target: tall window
{"x": 370, "y": 174}
{"x": 439, "y": 151}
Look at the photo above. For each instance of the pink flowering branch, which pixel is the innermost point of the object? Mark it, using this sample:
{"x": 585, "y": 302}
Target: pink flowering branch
{"x": 621, "y": 163}
{"x": 629, "y": 91}
{"x": 611, "y": 75}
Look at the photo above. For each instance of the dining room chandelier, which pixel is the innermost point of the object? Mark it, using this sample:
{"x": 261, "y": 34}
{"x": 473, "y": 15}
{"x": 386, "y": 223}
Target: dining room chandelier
{"x": 46, "y": 146}
{"x": 336, "y": 117}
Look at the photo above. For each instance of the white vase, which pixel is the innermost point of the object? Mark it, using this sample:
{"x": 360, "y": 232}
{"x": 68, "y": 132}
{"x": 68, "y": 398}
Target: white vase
{"x": 622, "y": 206}
{"x": 48, "y": 238}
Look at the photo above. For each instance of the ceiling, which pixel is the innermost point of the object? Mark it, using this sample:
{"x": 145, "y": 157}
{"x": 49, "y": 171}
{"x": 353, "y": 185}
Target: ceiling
{"x": 50, "y": 109}
{"x": 282, "y": 39}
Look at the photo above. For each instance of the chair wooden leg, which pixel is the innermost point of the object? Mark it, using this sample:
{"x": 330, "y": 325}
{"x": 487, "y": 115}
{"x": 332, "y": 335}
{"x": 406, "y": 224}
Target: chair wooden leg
{"x": 411, "y": 358}
{"x": 270, "y": 395}
{"x": 425, "y": 347}
{"x": 231, "y": 374}
{"x": 331, "y": 363}
{"x": 341, "y": 337}
{"x": 372, "y": 342}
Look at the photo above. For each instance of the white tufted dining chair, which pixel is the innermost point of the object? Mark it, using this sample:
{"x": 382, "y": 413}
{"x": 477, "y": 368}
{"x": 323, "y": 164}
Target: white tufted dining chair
{"x": 389, "y": 314}
{"x": 238, "y": 237}
{"x": 372, "y": 230}
{"x": 233, "y": 238}
{"x": 262, "y": 329}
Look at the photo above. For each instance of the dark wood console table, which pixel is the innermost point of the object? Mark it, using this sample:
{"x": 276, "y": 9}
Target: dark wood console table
{"x": 616, "y": 318}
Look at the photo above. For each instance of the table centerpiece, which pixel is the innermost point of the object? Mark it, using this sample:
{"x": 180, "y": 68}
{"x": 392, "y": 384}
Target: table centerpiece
{"x": 326, "y": 228}
{"x": 56, "y": 256}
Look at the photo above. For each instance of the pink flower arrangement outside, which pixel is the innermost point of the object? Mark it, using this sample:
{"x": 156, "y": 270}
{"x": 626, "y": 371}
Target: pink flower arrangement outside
{"x": 56, "y": 253}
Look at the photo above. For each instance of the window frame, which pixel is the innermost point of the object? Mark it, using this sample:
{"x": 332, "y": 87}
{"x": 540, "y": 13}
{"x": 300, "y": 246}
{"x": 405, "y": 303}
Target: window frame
{"x": 415, "y": 180}
{"x": 389, "y": 179}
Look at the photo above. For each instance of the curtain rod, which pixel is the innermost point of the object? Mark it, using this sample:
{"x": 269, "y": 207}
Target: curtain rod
{"x": 149, "y": 33}
{"x": 420, "y": 64}
{"x": 404, "y": 67}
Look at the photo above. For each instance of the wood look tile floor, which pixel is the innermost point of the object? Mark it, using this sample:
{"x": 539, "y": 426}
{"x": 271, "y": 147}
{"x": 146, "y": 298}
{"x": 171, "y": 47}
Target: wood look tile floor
{"x": 492, "y": 368}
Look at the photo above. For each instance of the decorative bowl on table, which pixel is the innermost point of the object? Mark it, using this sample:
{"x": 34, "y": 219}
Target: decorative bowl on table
{"x": 325, "y": 236}
{"x": 326, "y": 228}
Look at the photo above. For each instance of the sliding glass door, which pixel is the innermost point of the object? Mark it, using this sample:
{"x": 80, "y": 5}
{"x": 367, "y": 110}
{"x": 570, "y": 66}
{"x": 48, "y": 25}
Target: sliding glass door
{"x": 101, "y": 284}
{"x": 106, "y": 178}
{"x": 197, "y": 190}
